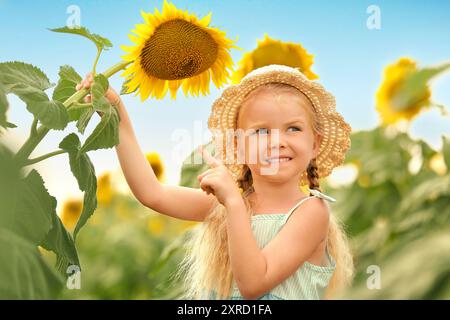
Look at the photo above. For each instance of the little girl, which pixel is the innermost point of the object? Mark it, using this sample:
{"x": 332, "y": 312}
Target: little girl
{"x": 261, "y": 237}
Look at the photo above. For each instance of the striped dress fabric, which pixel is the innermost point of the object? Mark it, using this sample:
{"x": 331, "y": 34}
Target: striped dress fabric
{"x": 309, "y": 282}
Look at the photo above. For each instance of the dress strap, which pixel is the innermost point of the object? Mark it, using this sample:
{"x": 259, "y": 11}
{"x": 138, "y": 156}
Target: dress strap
{"x": 296, "y": 206}
{"x": 315, "y": 193}
{"x": 319, "y": 194}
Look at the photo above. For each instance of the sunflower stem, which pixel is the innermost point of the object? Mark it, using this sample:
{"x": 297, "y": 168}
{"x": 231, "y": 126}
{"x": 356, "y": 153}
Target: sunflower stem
{"x": 33, "y": 130}
{"x": 76, "y": 106}
{"x": 94, "y": 68}
{"x": 30, "y": 144}
{"x": 116, "y": 68}
{"x": 43, "y": 157}
{"x": 34, "y": 139}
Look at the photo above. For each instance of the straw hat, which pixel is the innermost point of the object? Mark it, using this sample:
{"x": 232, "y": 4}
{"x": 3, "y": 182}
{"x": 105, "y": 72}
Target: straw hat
{"x": 336, "y": 132}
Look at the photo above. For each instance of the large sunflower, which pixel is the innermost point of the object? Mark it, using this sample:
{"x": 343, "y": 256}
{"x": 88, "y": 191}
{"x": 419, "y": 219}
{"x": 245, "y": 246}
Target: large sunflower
{"x": 393, "y": 102}
{"x": 270, "y": 51}
{"x": 175, "y": 49}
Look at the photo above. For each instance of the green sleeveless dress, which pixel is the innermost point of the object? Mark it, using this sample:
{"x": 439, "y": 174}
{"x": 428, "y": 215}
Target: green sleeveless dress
{"x": 309, "y": 282}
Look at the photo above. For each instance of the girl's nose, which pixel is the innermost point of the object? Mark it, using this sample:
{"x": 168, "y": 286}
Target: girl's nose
{"x": 277, "y": 139}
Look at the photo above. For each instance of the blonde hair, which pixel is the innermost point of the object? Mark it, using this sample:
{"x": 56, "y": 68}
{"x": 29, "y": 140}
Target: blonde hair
{"x": 206, "y": 265}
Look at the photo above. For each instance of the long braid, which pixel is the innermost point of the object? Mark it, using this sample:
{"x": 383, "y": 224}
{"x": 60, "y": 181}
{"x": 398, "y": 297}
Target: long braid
{"x": 313, "y": 176}
{"x": 337, "y": 243}
{"x": 245, "y": 181}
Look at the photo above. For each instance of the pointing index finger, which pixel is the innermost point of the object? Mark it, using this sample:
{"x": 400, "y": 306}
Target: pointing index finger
{"x": 210, "y": 160}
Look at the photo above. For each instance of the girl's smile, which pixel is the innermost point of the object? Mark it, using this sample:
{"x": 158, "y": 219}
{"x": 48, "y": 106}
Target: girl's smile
{"x": 277, "y": 160}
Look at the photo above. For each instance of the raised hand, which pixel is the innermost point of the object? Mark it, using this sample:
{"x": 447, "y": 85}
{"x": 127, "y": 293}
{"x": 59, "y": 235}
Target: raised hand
{"x": 218, "y": 180}
{"x": 110, "y": 94}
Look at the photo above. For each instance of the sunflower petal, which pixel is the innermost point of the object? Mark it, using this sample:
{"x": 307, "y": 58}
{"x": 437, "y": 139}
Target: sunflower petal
{"x": 145, "y": 88}
{"x": 159, "y": 88}
{"x": 128, "y": 48}
{"x": 135, "y": 81}
{"x": 174, "y": 86}
{"x": 206, "y": 20}
{"x": 135, "y": 39}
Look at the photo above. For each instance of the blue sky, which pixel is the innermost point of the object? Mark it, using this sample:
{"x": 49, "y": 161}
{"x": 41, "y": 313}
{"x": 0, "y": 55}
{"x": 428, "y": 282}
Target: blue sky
{"x": 349, "y": 58}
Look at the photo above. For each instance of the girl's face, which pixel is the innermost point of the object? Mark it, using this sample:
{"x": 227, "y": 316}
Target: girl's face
{"x": 279, "y": 128}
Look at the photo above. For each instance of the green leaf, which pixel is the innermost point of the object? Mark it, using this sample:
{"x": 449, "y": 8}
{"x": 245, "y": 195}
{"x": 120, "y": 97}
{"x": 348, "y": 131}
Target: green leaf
{"x": 23, "y": 272}
{"x": 3, "y": 108}
{"x": 9, "y": 177}
{"x": 84, "y": 119}
{"x": 29, "y": 84}
{"x": 28, "y": 215}
{"x": 419, "y": 257}
{"x": 99, "y": 41}
{"x": 30, "y": 212}
{"x": 80, "y": 164}
{"x": 106, "y": 134}
{"x": 89, "y": 206}
{"x": 31, "y": 208}
{"x": 15, "y": 72}
{"x": 83, "y": 170}
{"x": 415, "y": 85}
{"x": 68, "y": 73}
{"x": 24, "y": 80}
{"x": 65, "y": 88}
{"x": 426, "y": 192}
{"x": 52, "y": 114}
{"x": 98, "y": 90}
{"x": 76, "y": 110}
{"x": 446, "y": 151}
{"x": 61, "y": 242}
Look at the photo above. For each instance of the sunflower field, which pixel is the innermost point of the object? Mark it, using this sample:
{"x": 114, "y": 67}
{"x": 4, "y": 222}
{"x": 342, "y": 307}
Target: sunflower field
{"x": 128, "y": 251}
{"x": 395, "y": 208}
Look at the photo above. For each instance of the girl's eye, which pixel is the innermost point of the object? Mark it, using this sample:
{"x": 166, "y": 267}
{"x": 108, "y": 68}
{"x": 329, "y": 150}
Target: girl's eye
{"x": 295, "y": 128}
{"x": 262, "y": 131}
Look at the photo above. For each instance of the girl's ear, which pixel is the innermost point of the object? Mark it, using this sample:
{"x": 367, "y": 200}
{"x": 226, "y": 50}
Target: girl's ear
{"x": 317, "y": 142}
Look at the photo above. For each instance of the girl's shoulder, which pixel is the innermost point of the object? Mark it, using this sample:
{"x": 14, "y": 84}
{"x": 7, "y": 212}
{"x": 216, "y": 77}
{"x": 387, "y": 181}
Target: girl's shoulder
{"x": 312, "y": 203}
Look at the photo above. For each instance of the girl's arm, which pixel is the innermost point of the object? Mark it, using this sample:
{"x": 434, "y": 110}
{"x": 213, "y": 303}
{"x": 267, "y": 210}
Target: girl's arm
{"x": 175, "y": 201}
{"x": 257, "y": 271}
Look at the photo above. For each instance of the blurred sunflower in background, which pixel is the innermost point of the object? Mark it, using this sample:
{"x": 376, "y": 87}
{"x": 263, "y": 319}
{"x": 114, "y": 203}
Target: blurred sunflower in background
{"x": 175, "y": 49}
{"x": 155, "y": 225}
{"x": 71, "y": 211}
{"x": 437, "y": 164}
{"x": 157, "y": 165}
{"x": 270, "y": 51}
{"x": 392, "y": 102}
{"x": 104, "y": 189}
